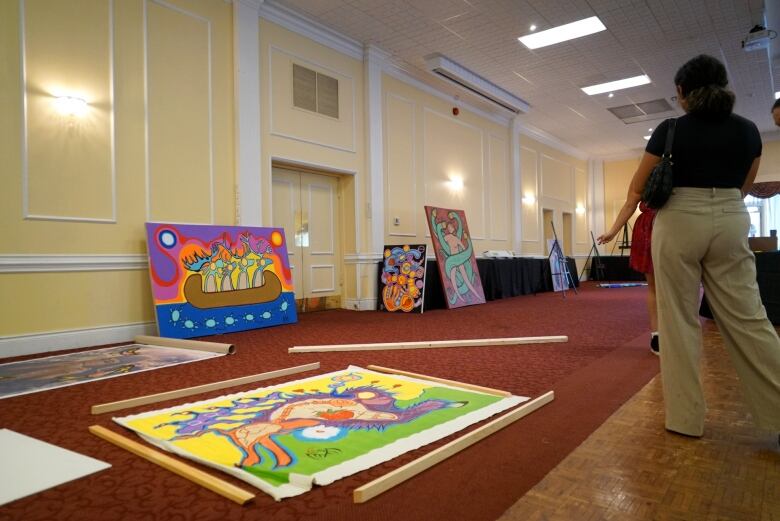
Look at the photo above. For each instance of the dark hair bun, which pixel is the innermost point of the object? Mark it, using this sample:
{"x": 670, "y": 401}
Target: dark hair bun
{"x": 703, "y": 82}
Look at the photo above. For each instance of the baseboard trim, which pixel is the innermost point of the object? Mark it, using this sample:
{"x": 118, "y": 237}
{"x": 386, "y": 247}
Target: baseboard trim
{"x": 22, "y": 345}
{"x": 365, "y": 304}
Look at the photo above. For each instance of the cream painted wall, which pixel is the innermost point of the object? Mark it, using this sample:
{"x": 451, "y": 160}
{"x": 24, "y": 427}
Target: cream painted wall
{"x": 79, "y": 170}
{"x": 617, "y": 177}
{"x": 290, "y": 134}
{"x": 769, "y": 169}
{"x": 553, "y": 180}
{"x": 426, "y": 148}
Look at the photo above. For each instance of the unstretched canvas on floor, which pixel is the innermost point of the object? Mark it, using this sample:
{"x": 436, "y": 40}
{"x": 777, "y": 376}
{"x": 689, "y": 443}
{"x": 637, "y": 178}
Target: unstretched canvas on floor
{"x": 51, "y": 372}
{"x": 402, "y": 278}
{"x": 455, "y": 257}
{"x": 286, "y": 438}
{"x": 208, "y": 280}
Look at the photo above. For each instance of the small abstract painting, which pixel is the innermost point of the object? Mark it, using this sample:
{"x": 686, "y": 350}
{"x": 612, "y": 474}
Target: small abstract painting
{"x": 455, "y": 257}
{"x": 402, "y": 278}
{"x": 557, "y": 266}
{"x": 286, "y": 438}
{"x": 41, "y": 374}
{"x": 208, "y": 280}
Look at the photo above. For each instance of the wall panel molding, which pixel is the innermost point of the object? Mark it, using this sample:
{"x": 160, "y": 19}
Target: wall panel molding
{"x": 410, "y": 230}
{"x": 341, "y": 75}
{"x": 504, "y": 191}
{"x": 481, "y": 132}
{"x": 26, "y": 213}
{"x": 210, "y": 102}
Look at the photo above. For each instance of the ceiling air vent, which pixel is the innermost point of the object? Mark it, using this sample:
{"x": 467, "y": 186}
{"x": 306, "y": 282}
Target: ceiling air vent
{"x": 645, "y": 111}
{"x": 459, "y": 75}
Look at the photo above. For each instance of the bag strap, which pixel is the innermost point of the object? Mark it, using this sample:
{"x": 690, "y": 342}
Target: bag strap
{"x": 669, "y": 138}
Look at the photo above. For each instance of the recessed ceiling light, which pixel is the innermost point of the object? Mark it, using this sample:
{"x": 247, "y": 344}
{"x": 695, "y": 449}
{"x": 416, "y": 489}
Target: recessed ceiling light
{"x": 625, "y": 83}
{"x": 647, "y": 138}
{"x": 532, "y": 28}
{"x": 777, "y": 95}
{"x": 563, "y": 33}
{"x": 649, "y": 129}
{"x": 611, "y": 95}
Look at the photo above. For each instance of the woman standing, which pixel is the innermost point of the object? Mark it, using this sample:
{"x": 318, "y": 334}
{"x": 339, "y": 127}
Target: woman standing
{"x": 640, "y": 259}
{"x": 700, "y": 236}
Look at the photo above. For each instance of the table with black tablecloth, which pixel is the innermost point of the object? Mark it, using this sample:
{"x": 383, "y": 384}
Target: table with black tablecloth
{"x": 768, "y": 278}
{"x": 501, "y": 278}
{"x": 615, "y": 268}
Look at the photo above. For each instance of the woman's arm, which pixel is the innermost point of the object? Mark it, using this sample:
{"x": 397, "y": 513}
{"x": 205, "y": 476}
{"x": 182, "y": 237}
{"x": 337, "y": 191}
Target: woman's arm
{"x": 748, "y": 184}
{"x": 633, "y": 196}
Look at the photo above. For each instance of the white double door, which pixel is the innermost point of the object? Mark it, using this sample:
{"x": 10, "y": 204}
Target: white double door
{"x": 306, "y": 205}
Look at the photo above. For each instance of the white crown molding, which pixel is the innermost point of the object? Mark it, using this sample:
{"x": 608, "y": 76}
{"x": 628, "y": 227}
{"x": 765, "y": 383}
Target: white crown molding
{"x": 362, "y": 258}
{"x": 252, "y": 4}
{"x": 47, "y": 262}
{"x": 364, "y": 304}
{"x": 416, "y": 80}
{"x": 21, "y": 345}
{"x": 552, "y": 141}
{"x": 305, "y": 26}
{"x": 622, "y": 156}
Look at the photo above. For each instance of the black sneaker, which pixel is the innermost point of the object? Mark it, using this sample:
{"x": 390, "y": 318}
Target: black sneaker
{"x": 654, "y": 347}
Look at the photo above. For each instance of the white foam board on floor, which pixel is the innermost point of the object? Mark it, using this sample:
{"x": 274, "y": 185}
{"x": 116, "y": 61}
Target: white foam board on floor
{"x": 28, "y": 466}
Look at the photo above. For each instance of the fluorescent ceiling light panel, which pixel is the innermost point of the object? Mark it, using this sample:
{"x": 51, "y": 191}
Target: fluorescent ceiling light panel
{"x": 777, "y": 95}
{"x": 563, "y": 33}
{"x": 625, "y": 83}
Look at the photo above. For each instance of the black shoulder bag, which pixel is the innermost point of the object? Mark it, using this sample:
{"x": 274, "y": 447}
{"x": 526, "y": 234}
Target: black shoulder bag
{"x": 661, "y": 181}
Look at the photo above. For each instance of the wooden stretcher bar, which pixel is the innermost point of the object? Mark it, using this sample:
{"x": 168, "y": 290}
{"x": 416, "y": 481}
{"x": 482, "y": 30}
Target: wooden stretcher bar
{"x": 195, "y": 475}
{"x": 430, "y": 344}
{"x": 189, "y": 391}
{"x": 183, "y": 343}
{"x": 453, "y": 383}
{"x": 401, "y": 474}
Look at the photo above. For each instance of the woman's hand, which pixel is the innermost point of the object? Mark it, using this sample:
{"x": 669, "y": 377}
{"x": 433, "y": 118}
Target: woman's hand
{"x": 605, "y": 238}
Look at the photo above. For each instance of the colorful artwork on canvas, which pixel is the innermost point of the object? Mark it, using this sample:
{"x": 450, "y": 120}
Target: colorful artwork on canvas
{"x": 557, "y": 265}
{"x": 455, "y": 257}
{"x": 41, "y": 374}
{"x": 286, "y": 438}
{"x": 208, "y": 280}
{"x": 402, "y": 279}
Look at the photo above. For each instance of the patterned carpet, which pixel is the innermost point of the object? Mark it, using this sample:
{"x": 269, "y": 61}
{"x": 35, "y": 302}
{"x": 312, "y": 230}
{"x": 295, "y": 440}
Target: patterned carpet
{"x": 592, "y": 375}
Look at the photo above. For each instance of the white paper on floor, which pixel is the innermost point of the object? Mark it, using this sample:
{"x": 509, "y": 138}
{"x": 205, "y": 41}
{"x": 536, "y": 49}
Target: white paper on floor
{"x": 28, "y": 466}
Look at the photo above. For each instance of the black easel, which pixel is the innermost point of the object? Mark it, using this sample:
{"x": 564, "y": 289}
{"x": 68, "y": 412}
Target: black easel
{"x": 596, "y": 266}
{"x": 625, "y": 242}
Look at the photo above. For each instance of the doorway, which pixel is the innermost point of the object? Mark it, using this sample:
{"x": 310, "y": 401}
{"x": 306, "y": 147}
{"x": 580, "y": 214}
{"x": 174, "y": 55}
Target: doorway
{"x": 547, "y": 220}
{"x": 568, "y": 247}
{"x": 306, "y": 205}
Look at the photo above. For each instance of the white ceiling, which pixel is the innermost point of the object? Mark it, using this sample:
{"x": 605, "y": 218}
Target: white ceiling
{"x": 652, "y": 37}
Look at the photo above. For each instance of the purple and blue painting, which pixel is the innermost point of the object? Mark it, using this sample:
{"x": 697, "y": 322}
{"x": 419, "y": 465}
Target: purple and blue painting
{"x": 208, "y": 280}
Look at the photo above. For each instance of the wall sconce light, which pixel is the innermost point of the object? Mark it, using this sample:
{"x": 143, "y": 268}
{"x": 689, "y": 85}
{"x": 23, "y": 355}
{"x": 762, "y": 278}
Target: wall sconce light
{"x": 529, "y": 198}
{"x": 71, "y": 106}
{"x": 580, "y": 209}
{"x": 456, "y": 183}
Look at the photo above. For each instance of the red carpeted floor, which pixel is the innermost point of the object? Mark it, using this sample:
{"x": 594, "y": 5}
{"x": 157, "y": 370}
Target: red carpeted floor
{"x": 604, "y": 363}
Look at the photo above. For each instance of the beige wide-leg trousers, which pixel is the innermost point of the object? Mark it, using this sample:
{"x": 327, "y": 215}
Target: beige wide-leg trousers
{"x": 700, "y": 235}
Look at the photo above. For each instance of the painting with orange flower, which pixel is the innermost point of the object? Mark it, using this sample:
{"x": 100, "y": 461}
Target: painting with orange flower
{"x": 402, "y": 278}
{"x": 208, "y": 280}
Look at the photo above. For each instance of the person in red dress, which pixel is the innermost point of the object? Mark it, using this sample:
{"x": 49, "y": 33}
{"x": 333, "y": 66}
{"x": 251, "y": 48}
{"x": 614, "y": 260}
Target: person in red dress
{"x": 641, "y": 259}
